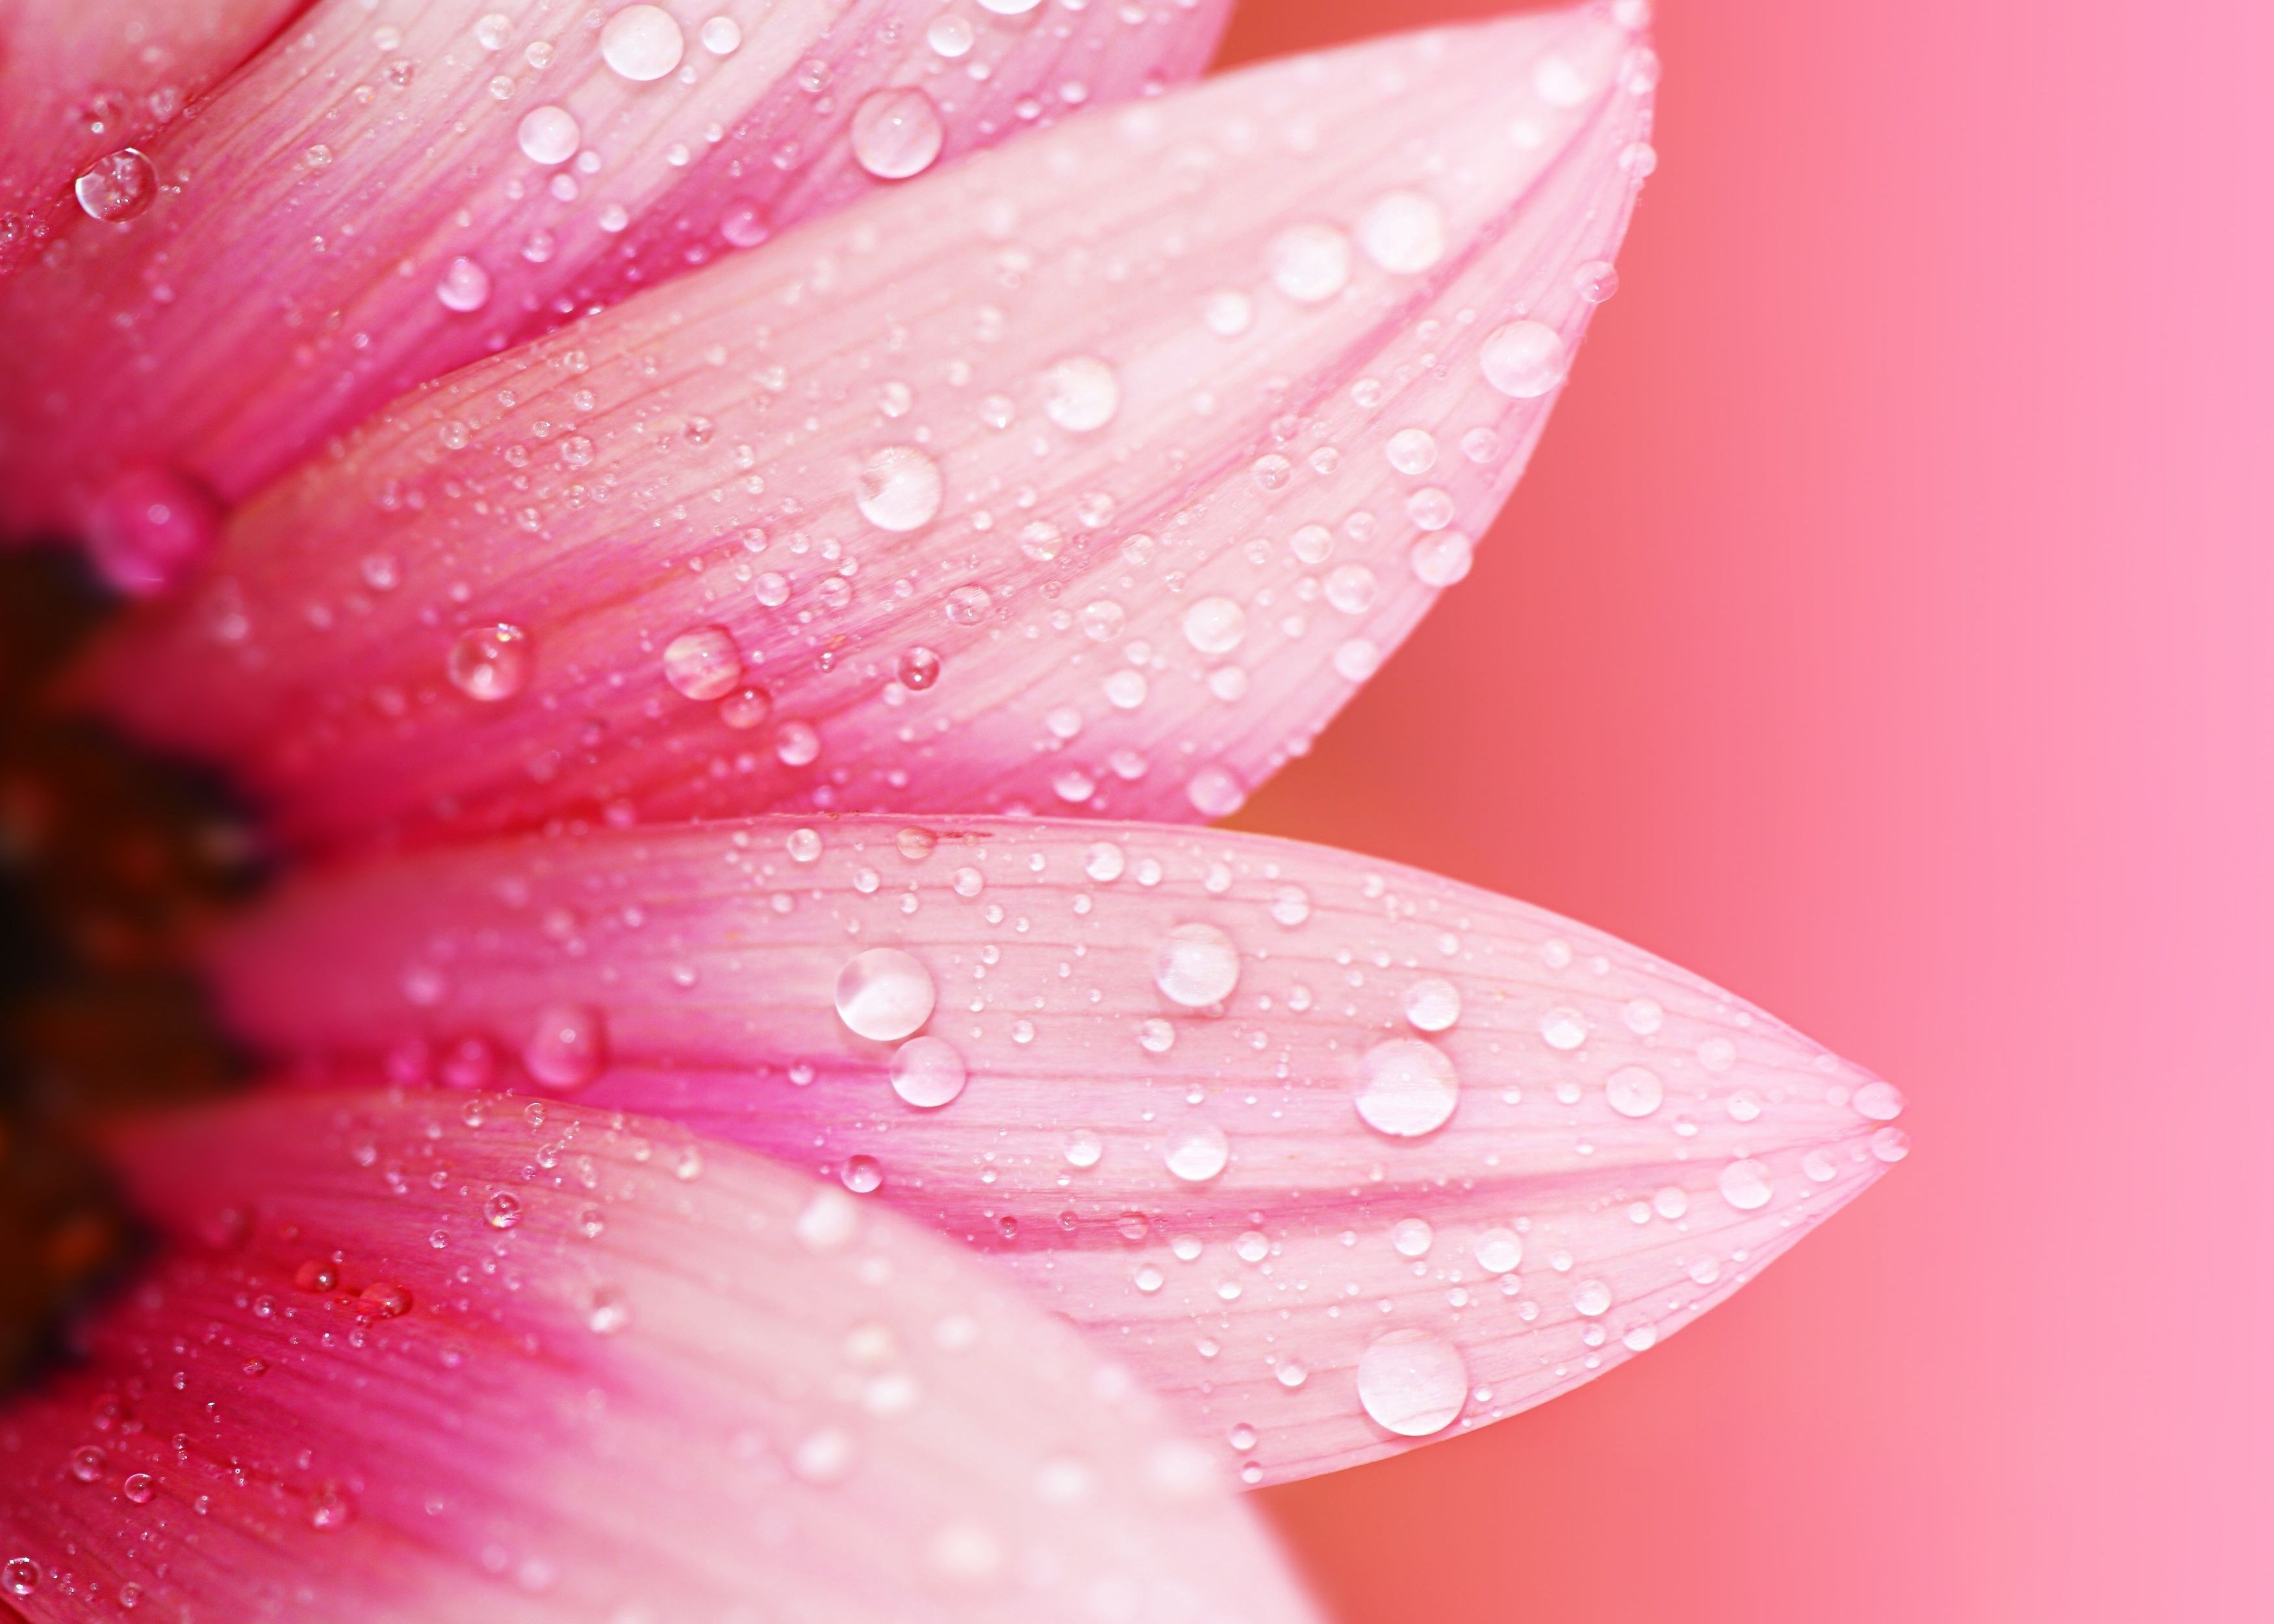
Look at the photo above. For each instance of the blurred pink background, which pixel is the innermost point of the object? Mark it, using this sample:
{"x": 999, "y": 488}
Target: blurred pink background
{"x": 1883, "y": 631}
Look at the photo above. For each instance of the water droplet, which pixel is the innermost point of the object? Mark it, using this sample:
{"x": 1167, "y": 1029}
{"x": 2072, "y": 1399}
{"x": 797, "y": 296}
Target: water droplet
{"x": 502, "y": 1210}
{"x": 919, "y": 668}
{"x": 1432, "y": 1004}
{"x": 927, "y": 1072}
{"x": 382, "y": 1299}
{"x": 1403, "y": 231}
{"x": 1407, "y": 1088}
{"x": 702, "y": 663}
{"x": 464, "y": 287}
{"x": 1227, "y": 312}
{"x": 1523, "y": 360}
{"x": 746, "y": 709}
{"x": 1196, "y": 966}
{"x": 642, "y": 42}
{"x": 490, "y": 663}
{"x": 549, "y": 134}
{"x": 1291, "y": 906}
{"x": 1879, "y": 1101}
{"x": 1440, "y": 560}
{"x": 1556, "y": 81}
{"x": 606, "y": 1313}
{"x": 1591, "y": 1298}
{"x": 1081, "y": 392}
{"x": 316, "y": 1276}
{"x": 1745, "y": 1185}
{"x": 722, "y": 36}
{"x": 1596, "y": 282}
{"x": 1215, "y": 624}
{"x": 139, "y": 1488}
{"x": 862, "y": 1175}
{"x": 1215, "y": 791}
{"x": 569, "y": 1047}
{"x": 1634, "y": 1090}
{"x": 117, "y": 186}
{"x": 1084, "y": 1149}
{"x": 85, "y": 1464}
{"x": 1009, "y": 8}
{"x": 1310, "y": 263}
{"x": 1197, "y": 1153}
{"x": 150, "y": 529}
{"x": 1351, "y": 588}
{"x": 1563, "y": 1028}
{"x": 1412, "y": 451}
{"x": 884, "y": 994}
{"x": 896, "y": 132}
{"x": 1412, "y": 1383}
{"x": 1499, "y": 1250}
{"x": 1410, "y": 1238}
{"x": 797, "y": 744}
{"x": 899, "y": 489}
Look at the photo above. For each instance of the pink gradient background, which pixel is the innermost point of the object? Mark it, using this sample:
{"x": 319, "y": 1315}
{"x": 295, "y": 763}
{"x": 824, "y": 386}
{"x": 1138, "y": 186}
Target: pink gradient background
{"x": 1883, "y": 631}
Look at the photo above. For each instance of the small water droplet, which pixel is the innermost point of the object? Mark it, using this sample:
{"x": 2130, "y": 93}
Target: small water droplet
{"x": 919, "y": 668}
{"x": 1745, "y": 1185}
{"x": 1215, "y": 624}
{"x": 862, "y": 1175}
{"x": 1498, "y": 1252}
{"x": 1591, "y": 1298}
{"x": 1432, "y": 1004}
{"x": 117, "y": 186}
{"x": 607, "y": 1313}
{"x": 139, "y": 1488}
{"x": 502, "y": 1210}
{"x": 464, "y": 286}
{"x": 722, "y": 36}
{"x": 151, "y": 528}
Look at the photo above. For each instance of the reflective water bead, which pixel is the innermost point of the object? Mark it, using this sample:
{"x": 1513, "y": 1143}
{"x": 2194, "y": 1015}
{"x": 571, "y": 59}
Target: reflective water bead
{"x": 150, "y": 528}
{"x": 1412, "y": 451}
{"x": 1563, "y": 1028}
{"x": 1215, "y": 624}
{"x": 746, "y": 709}
{"x": 490, "y": 663}
{"x": 464, "y": 286}
{"x": 884, "y": 994}
{"x": 1432, "y": 1004}
{"x": 896, "y": 132}
{"x": 1879, "y": 1101}
{"x": 1440, "y": 560}
{"x": 642, "y": 42}
{"x": 702, "y": 663}
{"x": 1310, "y": 263}
{"x": 1215, "y": 791}
{"x": 1596, "y": 282}
{"x": 927, "y": 1072}
{"x": 1412, "y": 1383}
{"x": 1410, "y": 1238}
{"x": 1634, "y": 1090}
{"x": 899, "y": 489}
{"x": 1407, "y": 1088}
{"x": 950, "y": 37}
{"x": 20, "y": 1575}
{"x": 1084, "y": 1149}
{"x": 1591, "y": 1298}
{"x": 1745, "y": 1185}
{"x": 1198, "y": 1152}
{"x": 1498, "y": 1252}
{"x": 863, "y": 1174}
{"x": 1524, "y": 360}
{"x": 1227, "y": 312}
{"x": 568, "y": 1048}
{"x": 117, "y": 186}
{"x": 549, "y": 135}
{"x": 1403, "y": 231}
{"x": 1196, "y": 966}
{"x": 722, "y": 36}
{"x": 1081, "y": 392}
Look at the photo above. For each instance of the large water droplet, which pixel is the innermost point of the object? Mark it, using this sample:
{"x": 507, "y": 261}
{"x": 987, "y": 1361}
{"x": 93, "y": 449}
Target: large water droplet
{"x": 1524, "y": 360}
{"x": 899, "y": 488}
{"x": 1403, "y": 231}
{"x": 896, "y": 132}
{"x": 702, "y": 663}
{"x": 1215, "y": 624}
{"x": 1634, "y": 1090}
{"x": 1081, "y": 392}
{"x": 568, "y": 1048}
{"x": 1432, "y": 1004}
{"x": 20, "y": 1575}
{"x": 927, "y": 1072}
{"x": 490, "y": 663}
{"x": 1196, "y": 966}
{"x": 549, "y": 135}
{"x": 464, "y": 286}
{"x": 884, "y": 994}
{"x": 1412, "y": 1383}
{"x": 642, "y": 42}
{"x": 1197, "y": 1153}
{"x": 1310, "y": 263}
{"x": 150, "y": 529}
{"x": 1407, "y": 1088}
{"x": 1499, "y": 1250}
{"x": 1745, "y": 1185}
{"x": 117, "y": 186}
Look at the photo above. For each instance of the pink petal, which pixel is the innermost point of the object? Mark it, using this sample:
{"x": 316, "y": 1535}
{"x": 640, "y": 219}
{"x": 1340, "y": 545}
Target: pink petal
{"x": 1163, "y": 555}
{"x": 452, "y": 1358}
{"x": 82, "y": 79}
{"x": 384, "y": 195}
{"x": 1243, "y": 1108}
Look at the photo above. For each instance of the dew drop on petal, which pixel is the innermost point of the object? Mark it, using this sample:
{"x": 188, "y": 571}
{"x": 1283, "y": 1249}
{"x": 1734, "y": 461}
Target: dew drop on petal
{"x": 1081, "y": 392}
{"x": 1407, "y": 1088}
{"x": 642, "y": 42}
{"x": 927, "y": 1072}
{"x": 1745, "y": 1185}
{"x": 1596, "y": 282}
{"x": 1591, "y": 1298}
{"x": 1216, "y": 791}
{"x": 1403, "y": 231}
{"x": 1634, "y": 1090}
{"x": 139, "y": 1488}
{"x": 490, "y": 663}
{"x": 464, "y": 286}
{"x": 20, "y": 1575}
{"x": 702, "y": 663}
{"x": 896, "y": 132}
{"x": 1196, "y": 966}
{"x": 1215, "y": 624}
{"x": 117, "y": 186}
{"x": 919, "y": 668}
{"x": 746, "y": 708}
{"x": 1410, "y": 1238}
{"x": 151, "y": 528}
{"x": 722, "y": 36}
{"x": 1310, "y": 263}
{"x": 568, "y": 1048}
{"x": 899, "y": 488}
{"x": 1412, "y": 1383}
{"x": 1440, "y": 560}
{"x": 1523, "y": 360}
{"x": 884, "y": 994}
{"x": 1432, "y": 1004}
{"x": 1498, "y": 1252}
{"x": 549, "y": 135}
{"x": 1197, "y": 1153}
{"x": 862, "y": 1175}
{"x": 1563, "y": 1028}
{"x": 1879, "y": 1101}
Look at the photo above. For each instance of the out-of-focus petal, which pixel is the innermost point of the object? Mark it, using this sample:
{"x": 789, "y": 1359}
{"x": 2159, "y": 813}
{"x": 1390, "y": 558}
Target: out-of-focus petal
{"x": 1338, "y": 1154}
{"x": 436, "y": 1358}
{"x": 1094, "y": 473}
{"x": 83, "y": 80}
{"x": 395, "y": 187}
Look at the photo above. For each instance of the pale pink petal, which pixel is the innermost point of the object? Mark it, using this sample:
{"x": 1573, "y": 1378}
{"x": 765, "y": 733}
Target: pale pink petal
{"x": 448, "y": 1358}
{"x": 390, "y": 190}
{"x": 1029, "y": 485}
{"x": 81, "y": 80}
{"x": 1243, "y": 1108}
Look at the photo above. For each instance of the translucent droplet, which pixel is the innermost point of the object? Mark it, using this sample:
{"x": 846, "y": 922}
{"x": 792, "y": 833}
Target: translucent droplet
{"x": 1412, "y": 1383}
{"x": 1197, "y": 1153}
{"x": 117, "y": 186}
{"x": 1634, "y": 1090}
{"x": 899, "y": 488}
{"x": 1745, "y": 1185}
{"x": 1596, "y": 282}
{"x": 1410, "y": 1238}
{"x": 746, "y": 708}
{"x": 722, "y": 36}
{"x": 1556, "y": 81}
{"x": 1440, "y": 560}
{"x": 1215, "y": 624}
{"x": 1498, "y": 1252}
{"x": 1432, "y": 1004}
{"x": 549, "y": 134}
{"x": 862, "y": 1175}
{"x": 139, "y": 1488}
{"x": 1591, "y": 1298}
{"x": 1084, "y": 1149}
{"x": 1351, "y": 588}
{"x": 1412, "y": 451}
{"x": 490, "y": 663}
{"x": 927, "y": 1072}
{"x": 1081, "y": 392}
{"x": 642, "y": 42}
{"x": 502, "y": 1210}
{"x": 150, "y": 529}
{"x": 919, "y": 668}
{"x": 1216, "y": 791}
{"x": 1879, "y": 1101}
{"x": 606, "y": 1313}
{"x": 1563, "y": 1028}
{"x": 829, "y": 1223}
{"x": 884, "y": 994}
{"x": 1009, "y": 8}
{"x": 1227, "y": 312}
{"x": 896, "y": 132}
{"x": 1310, "y": 263}
{"x": 1407, "y": 1088}
{"x": 797, "y": 744}
{"x": 950, "y": 37}
{"x": 1524, "y": 360}
{"x": 464, "y": 287}
{"x": 568, "y": 1048}
{"x": 1196, "y": 966}
{"x": 1403, "y": 231}
{"x": 702, "y": 663}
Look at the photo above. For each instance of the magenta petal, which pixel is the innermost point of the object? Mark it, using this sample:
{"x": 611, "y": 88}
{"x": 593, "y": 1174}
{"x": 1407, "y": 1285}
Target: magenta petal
{"x": 451, "y": 1358}
{"x": 1338, "y": 1154}
{"x": 1092, "y": 473}
{"x": 389, "y": 192}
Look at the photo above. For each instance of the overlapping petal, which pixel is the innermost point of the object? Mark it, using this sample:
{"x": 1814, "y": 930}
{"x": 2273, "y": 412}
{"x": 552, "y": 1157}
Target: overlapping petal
{"x": 1337, "y": 1154}
{"x": 398, "y": 186}
{"x": 443, "y": 1358}
{"x": 1092, "y": 473}
{"x": 81, "y": 79}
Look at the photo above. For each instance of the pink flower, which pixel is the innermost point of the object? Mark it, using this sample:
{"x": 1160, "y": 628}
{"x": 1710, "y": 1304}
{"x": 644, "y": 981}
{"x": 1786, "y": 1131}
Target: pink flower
{"x": 694, "y": 1107}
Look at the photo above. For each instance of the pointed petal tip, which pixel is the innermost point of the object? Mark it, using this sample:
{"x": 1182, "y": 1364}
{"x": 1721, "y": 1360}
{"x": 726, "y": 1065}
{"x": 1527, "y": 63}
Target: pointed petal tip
{"x": 1243, "y": 1108}
{"x": 994, "y": 493}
